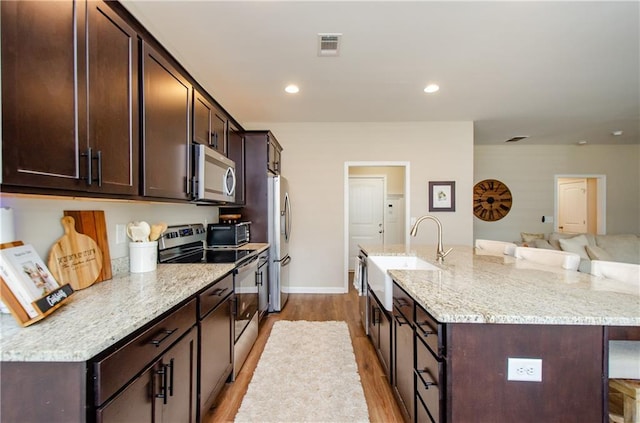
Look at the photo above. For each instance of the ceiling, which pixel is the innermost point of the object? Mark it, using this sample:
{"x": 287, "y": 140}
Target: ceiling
{"x": 558, "y": 72}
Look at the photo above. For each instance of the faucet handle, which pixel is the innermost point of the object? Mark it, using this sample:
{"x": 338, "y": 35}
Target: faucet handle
{"x": 447, "y": 252}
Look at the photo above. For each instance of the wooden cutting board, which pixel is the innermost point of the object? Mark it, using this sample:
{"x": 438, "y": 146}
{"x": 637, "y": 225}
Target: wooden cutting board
{"x": 92, "y": 223}
{"x": 75, "y": 258}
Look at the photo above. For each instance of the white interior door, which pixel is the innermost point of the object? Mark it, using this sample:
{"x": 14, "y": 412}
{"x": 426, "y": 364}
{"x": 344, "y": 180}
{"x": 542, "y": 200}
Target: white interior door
{"x": 366, "y": 214}
{"x": 572, "y": 207}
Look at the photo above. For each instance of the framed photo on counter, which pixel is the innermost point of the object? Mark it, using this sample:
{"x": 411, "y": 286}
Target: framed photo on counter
{"x": 442, "y": 196}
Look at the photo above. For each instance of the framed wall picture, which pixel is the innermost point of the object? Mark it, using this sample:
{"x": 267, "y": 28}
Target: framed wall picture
{"x": 442, "y": 196}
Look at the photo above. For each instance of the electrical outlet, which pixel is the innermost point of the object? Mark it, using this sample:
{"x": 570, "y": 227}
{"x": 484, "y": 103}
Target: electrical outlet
{"x": 524, "y": 369}
{"x": 121, "y": 235}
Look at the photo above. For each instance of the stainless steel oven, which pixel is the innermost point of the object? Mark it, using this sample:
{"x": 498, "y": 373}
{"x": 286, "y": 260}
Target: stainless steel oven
{"x": 185, "y": 244}
{"x": 246, "y": 311}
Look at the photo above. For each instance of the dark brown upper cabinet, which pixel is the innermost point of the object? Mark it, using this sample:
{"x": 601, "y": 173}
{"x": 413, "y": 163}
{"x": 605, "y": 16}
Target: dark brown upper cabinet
{"x": 236, "y": 152}
{"x": 274, "y": 154}
{"x": 209, "y": 124}
{"x": 69, "y": 95}
{"x": 166, "y": 136}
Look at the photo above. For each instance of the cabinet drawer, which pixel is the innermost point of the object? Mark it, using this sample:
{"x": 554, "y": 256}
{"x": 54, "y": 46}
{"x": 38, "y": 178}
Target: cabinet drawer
{"x": 115, "y": 370}
{"x": 429, "y": 379}
{"x": 215, "y": 294}
{"x": 431, "y": 332}
{"x": 403, "y": 303}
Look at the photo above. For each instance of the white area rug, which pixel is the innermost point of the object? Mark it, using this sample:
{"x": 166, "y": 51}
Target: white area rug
{"x": 307, "y": 373}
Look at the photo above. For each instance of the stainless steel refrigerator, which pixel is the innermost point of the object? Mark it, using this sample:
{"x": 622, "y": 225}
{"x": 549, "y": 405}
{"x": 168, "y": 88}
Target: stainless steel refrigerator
{"x": 279, "y": 235}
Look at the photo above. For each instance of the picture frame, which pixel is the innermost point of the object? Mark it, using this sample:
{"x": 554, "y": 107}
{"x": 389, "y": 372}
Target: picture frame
{"x": 442, "y": 196}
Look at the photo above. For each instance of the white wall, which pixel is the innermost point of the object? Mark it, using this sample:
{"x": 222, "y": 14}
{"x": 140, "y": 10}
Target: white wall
{"x": 529, "y": 173}
{"x": 313, "y": 161}
{"x": 37, "y": 218}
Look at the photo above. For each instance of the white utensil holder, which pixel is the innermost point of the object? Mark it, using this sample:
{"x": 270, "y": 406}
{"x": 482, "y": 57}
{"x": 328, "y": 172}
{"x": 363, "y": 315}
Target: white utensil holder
{"x": 143, "y": 256}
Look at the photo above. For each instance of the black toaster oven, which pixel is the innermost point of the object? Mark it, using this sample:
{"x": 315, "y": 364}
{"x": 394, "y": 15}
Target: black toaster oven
{"x": 227, "y": 234}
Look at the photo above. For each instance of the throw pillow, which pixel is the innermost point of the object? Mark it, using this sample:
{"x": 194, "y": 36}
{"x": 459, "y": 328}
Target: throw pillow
{"x": 529, "y": 237}
{"x": 577, "y": 245}
{"x": 555, "y": 237}
{"x": 597, "y": 253}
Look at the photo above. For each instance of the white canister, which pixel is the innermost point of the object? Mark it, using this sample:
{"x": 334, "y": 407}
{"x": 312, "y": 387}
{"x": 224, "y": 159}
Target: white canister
{"x": 143, "y": 256}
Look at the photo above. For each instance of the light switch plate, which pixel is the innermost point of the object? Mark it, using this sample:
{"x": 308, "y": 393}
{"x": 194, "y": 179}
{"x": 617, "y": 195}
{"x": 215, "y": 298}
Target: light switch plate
{"x": 121, "y": 235}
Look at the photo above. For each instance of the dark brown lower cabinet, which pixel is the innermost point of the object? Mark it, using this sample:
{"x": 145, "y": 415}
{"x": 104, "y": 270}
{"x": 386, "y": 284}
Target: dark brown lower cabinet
{"x": 457, "y": 372}
{"x": 380, "y": 332}
{"x": 403, "y": 352}
{"x": 216, "y": 342}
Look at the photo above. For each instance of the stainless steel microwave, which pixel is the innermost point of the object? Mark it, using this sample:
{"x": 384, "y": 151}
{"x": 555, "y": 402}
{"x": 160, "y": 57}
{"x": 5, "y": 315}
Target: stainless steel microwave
{"x": 214, "y": 176}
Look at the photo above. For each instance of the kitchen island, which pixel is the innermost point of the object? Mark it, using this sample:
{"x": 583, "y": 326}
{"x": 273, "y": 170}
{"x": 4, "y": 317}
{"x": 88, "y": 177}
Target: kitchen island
{"x": 478, "y": 311}
{"x": 80, "y": 355}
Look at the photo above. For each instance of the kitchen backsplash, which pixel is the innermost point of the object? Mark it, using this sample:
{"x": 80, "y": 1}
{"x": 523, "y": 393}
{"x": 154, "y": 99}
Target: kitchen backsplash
{"x": 37, "y": 220}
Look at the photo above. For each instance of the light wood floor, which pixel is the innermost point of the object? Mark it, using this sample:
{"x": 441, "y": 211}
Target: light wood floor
{"x": 318, "y": 307}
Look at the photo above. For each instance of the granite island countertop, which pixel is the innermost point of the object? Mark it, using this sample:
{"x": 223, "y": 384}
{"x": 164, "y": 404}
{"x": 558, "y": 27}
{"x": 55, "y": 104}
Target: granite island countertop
{"x": 475, "y": 288}
{"x": 97, "y": 317}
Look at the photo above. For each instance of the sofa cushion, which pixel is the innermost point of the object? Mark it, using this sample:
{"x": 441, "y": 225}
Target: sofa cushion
{"x": 576, "y": 245}
{"x": 555, "y": 237}
{"x": 543, "y": 243}
{"x": 624, "y": 248}
{"x": 597, "y": 253}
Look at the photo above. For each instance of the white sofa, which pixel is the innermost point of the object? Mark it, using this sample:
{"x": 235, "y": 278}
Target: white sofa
{"x": 623, "y": 248}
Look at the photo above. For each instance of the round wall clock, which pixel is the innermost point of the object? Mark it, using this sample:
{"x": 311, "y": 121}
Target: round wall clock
{"x": 491, "y": 200}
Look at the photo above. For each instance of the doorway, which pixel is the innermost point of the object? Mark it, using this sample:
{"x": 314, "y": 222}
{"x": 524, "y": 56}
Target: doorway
{"x": 376, "y": 210}
{"x": 580, "y": 204}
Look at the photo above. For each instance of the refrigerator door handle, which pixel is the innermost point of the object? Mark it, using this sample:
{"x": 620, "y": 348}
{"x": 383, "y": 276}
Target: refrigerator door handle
{"x": 287, "y": 216}
{"x": 284, "y": 261}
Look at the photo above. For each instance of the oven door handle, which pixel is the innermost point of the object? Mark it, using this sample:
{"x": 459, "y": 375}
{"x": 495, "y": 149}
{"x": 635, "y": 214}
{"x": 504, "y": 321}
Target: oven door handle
{"x": 251, "y": 262}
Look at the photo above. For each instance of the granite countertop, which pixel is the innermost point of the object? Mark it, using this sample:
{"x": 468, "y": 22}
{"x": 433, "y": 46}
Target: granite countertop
{"x": 99, "y": 316}
{"x": 475, "y": 288}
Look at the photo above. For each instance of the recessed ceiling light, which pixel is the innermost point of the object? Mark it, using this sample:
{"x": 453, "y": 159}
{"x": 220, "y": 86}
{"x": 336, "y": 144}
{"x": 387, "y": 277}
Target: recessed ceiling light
{"x": 431, "y": 88}
{"x": 292, "y": 89}
{"x": 617, "y": 133}
{"x": 582, "y": 142}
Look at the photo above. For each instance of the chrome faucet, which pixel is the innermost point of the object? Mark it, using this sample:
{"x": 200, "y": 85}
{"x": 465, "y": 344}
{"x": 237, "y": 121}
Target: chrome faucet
{"x": 414, "y": 231}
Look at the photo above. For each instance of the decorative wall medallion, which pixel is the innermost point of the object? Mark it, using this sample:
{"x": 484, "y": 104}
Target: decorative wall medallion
{"x": 491, "y": 200}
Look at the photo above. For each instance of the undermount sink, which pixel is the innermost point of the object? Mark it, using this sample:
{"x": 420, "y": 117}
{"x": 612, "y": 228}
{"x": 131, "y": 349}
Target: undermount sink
{"x": 380, "y": 281}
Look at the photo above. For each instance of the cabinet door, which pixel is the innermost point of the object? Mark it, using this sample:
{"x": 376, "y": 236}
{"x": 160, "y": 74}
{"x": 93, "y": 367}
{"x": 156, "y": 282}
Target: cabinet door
{"x": 202, "y": 111}
{"x": 209, "y": 125}
{"x": 219, "y": 128}
{"x": 134, "y": 404}
{"x": 385, "y": 342}
{"x": 41, "y": 74}
{"x": 216, "y": 344}
{"x": 374, "y": 322}
{"x": 113, "y": 101}
{"x": 403, "y": 383}
{"x": 166, "y": 141}
{"x": 179, "y": 386}
{"x": 236, "y": 152}
{"x": 274, "y": 155}
{"x": 262, "y": 280}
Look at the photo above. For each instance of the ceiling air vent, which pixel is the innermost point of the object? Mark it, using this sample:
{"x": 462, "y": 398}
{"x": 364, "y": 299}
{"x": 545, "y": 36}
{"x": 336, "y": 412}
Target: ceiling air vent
{"x": 328, "y": 44}
{"x": 518, "y": 138}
